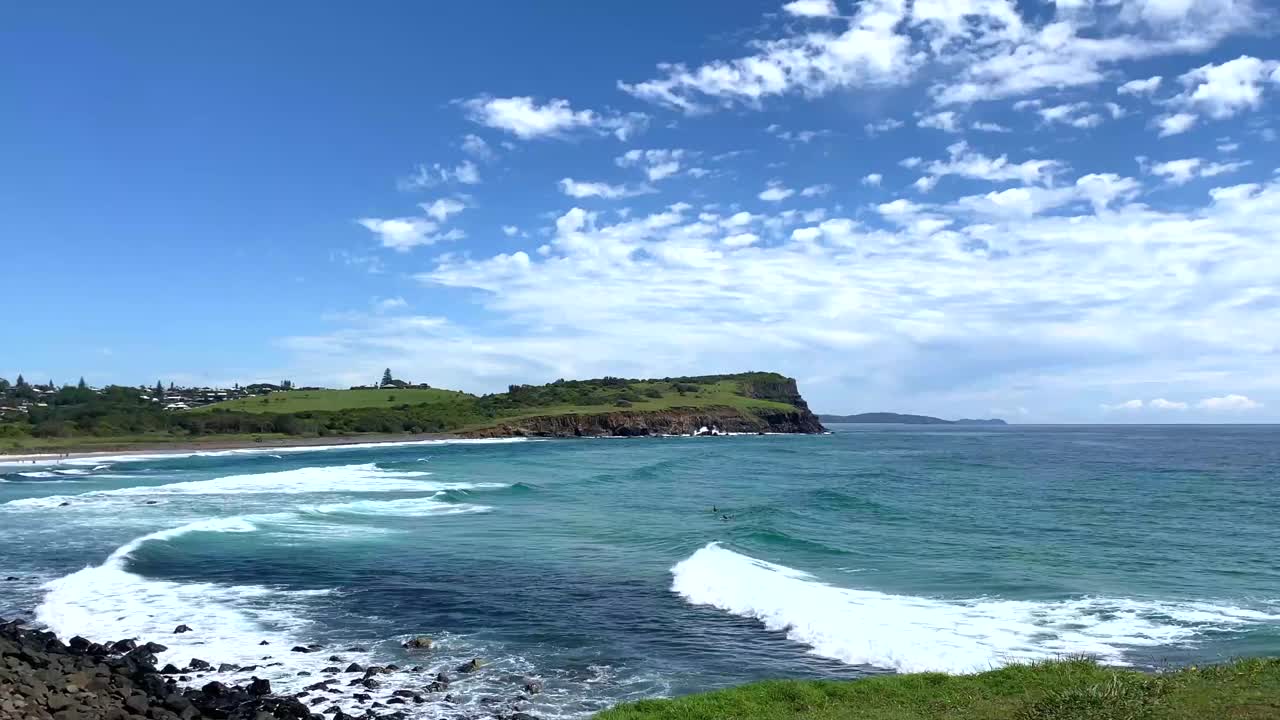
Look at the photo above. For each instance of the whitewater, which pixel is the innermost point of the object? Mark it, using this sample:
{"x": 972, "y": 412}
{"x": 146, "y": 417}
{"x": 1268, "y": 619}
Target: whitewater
{"x": 603, "y": 569}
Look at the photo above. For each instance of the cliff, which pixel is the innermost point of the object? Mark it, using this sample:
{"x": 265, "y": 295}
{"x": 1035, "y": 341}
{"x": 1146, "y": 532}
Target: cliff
{"x": 639, "y": 423}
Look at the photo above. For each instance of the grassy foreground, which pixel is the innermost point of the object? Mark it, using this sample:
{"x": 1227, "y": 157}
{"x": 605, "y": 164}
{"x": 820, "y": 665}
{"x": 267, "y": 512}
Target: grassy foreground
{"x": 1058, "y": 690}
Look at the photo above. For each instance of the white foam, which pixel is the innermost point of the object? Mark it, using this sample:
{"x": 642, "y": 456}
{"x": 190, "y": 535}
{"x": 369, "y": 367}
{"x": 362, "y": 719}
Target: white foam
{"x": 915, "y": 634}
{"x": 108, "y": 602}
{"x": 406, "y": 507}
{"x": 367, "y": 477}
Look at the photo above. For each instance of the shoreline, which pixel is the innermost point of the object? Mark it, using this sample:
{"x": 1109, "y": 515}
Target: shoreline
{"x": 188, "y": 447}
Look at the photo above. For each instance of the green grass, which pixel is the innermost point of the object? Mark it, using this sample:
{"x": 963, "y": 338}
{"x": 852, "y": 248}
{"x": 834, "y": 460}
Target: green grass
{"x": 316, "y": 400}
{"x": 724, "y": 393}
{"x": 1059, "y": 690}
{"x": 92, "y": 443}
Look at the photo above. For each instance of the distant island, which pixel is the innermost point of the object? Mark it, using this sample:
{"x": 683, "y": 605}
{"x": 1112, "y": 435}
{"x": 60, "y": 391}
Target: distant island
{"x": 42, "y": 418}
{"x": 887, "y": 418}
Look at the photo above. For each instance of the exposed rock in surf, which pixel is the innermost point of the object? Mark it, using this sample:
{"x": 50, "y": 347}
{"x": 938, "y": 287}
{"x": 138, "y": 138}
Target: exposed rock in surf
{"x": 199, "y": 665}
{"x": 470, "y": 666}
{"x": 42, "y": 678}
{"x": 182, "y": 629}
{"x": 354, "y": 667}
{"x": 264, "y": 642}
{"x": 227, "y": 667}
{"x": 170, "y": 669}
{"x": 533, "y": 686}
{"x": 422, "y": 642}
{"x": 300, "y": 649}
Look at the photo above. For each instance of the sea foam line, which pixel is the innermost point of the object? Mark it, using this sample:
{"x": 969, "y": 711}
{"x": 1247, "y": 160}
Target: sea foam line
{"x": 363, "y": 478}
{"x": 916, "y": 634}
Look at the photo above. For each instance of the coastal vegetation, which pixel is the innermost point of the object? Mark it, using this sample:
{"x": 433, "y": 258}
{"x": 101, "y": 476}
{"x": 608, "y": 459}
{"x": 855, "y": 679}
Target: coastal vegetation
{"x": 1070, "y": 689}
{"x": 78, "y": 417}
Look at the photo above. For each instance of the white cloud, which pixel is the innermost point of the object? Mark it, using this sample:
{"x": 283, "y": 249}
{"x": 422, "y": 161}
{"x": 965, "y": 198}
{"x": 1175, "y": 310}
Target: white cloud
{"x": 798, "y": 136}
{"x": 1175, "y": 124}
{"x": 811, "y": 8}
{"x": 1223, "y": 90}
{"x": 436, "y": 174}
{"x": 390, "y": 304}
{"x": 965, "y": 162}
{"x": 510, "y": 230}
{"x": 441, "y": 209}
{"x": 868, "y": 52}
{"x": 883, "y": 126}
{"x": 816, "y": 190}
{"x": 1141, "y": 87}
{"x": 776, "y": 192}
{"x": 1126, "y": 405}
{"x": 873, "y": 179}
{"x": 403, "y": 234}
{"x": 741, "y": 240}
{"x": 527, "y": 119}
{"x": 945, "y": 121}
{"x": 1162, "y": 404}
{"x": 658, "y": 164}
{"x": 990, "y": 127}
{"x": 1074, "y": 114}
{"x": 979, "y": 49}
{"x": 1180, "y": 172}
{"x": 475, "y": 146}
{"x": 578, "y": 189}
{"x": 1115, "y": 110}
{"x": 1228, "y": 403}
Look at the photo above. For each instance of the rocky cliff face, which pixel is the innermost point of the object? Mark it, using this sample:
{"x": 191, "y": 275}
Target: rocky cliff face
{"x": 676, "y": 421}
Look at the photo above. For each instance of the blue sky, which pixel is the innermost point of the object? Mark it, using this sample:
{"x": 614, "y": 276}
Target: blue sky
{"x": 1049, "y": 212}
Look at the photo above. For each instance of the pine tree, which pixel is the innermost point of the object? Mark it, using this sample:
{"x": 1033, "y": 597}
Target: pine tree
{"x": 82, "y": 385}
{"x": 159, "y": 390}
{"x": 386, "y": 377}
{"x": 22, "y": 382}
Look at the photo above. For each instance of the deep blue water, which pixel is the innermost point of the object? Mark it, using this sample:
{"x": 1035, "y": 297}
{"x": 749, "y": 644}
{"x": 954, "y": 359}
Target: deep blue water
{"x": 600, "y": 566}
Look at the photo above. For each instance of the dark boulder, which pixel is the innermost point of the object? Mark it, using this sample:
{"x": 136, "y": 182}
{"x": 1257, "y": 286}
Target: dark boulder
{"x": 170, "y": 669}
{"x": 79, "y": 644}
{"x": 181, "y": 629}
{"x": 199, "y": 665}
{"x": 264, "y": 642}
{"x": 259, "y": 686}
{"x": 227, "y": 667}
{"x": 470, "y": 666}
{"x": 300, "y": 649}
{"x": 123, "y": 646}
{"x": 533, "y": 686}
{"x": 155, "y": 647}
{"x": 214, "y": 689}
{"x": 355, "y": 667}
{"x": 443, "y": 679}
{"x": 371, "y": 683}
{"x": 422, "y": 642}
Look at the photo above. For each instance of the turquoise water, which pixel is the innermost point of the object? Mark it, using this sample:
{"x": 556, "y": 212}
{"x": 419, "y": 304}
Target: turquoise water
{"x": 600, "y": 566}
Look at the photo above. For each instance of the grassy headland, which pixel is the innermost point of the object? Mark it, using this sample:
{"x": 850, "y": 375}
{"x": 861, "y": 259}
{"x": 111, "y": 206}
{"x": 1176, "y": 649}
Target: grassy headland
{"x": 79, "y": 419}
{"x": 1059, "y": 690}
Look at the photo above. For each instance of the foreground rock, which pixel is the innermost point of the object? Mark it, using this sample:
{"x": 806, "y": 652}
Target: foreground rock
{"x": 41, "y": 678}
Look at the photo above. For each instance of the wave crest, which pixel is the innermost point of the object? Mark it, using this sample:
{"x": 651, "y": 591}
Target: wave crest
{"x": 917, "y": 634}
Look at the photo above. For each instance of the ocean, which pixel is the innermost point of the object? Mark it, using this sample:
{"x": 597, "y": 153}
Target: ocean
{"x": 624, "y": 569}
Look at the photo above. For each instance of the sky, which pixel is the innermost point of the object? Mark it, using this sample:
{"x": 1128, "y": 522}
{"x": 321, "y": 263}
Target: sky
{"x": 1044, "y": 211}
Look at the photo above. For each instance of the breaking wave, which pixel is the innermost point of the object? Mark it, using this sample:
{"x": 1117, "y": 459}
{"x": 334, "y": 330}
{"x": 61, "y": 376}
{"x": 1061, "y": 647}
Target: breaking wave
{"x": 916, "y": 634}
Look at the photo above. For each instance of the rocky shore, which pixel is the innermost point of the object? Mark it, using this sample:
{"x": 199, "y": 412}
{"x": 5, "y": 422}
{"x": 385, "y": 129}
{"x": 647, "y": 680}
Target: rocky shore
{"x": 654, "y": 422}
{"x": 43, "y": 678}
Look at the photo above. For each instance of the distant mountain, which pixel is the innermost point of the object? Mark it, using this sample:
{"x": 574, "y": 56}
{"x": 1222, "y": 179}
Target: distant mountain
{"x": 900, "y": 419}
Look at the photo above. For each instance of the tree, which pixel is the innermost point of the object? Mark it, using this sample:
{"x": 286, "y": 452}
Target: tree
{"x": 4, "y": 384}
{"x": 159, "y": 390}
{"x": 172, "y": 387}
{"x": 286, "y": 384}
{"x": 82, "y": 385}
{"x": 22, "y": 382}
{"x": 386, "y": 377}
